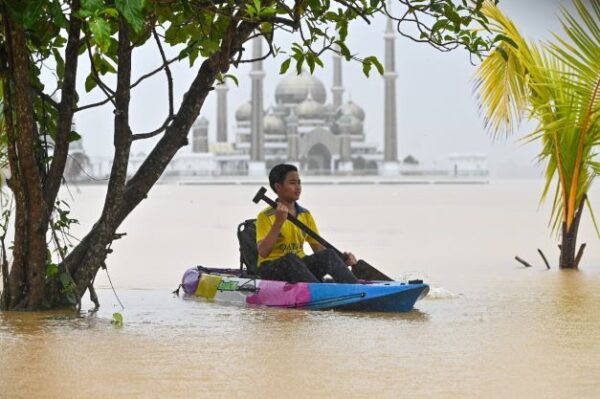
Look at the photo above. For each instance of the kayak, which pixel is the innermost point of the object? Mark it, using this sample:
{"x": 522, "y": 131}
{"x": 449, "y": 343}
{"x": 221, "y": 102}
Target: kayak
{"x": 227, "y": 285}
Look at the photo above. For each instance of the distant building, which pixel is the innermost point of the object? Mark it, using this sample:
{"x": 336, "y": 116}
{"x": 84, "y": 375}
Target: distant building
{"x": 78, "y": 163}
{"x": 468, "y": 164}
{"x": 300, "y": 127}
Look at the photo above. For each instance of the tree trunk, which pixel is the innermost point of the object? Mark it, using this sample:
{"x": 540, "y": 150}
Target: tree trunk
{"x": 29, "y": 288}
{"x": 27, "y": 274}
{"x": 568, "y": 247}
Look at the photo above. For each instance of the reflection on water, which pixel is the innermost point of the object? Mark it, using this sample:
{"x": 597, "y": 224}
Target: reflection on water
{"x": 489, "y": 328}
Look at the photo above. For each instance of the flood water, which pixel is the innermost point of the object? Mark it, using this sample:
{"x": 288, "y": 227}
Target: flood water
{"x": 490, "y": 327}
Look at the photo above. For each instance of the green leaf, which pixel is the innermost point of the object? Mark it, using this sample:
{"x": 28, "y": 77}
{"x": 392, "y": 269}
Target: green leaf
{"x": 266, "y": 27}
{"x": 132, "y": 12}
{"x": 26, "y": 13}
{"x": 102, "y": 64}
{"x": 331, "y": 16}
{"x": 344, "y": 50}
{"x": 285, "y": 66}
{"x": 502, "y": 53}
{"x": 101, "y": 31}
{"x": 268, "y": 11}
{"x": 343, "y": 32}
{"x": 299, "y": 62}
{"x": 51, "y": 270}
{"x": 374, "y": 61}
{"x": 65, "y": 280}
{"x": 310, "y": 61}
{"x": 57, "y": 14}
{"x": 112, "y": 12}
{"x": 232, "y": 77}
{"x": 73, "y": 136}
{"x": 505, "y": 39}
{"x": 439, "y": 25}
{"x": 90, "y": 82}
{"x": 60, "y": 63}
{"x": 366, "y": 68}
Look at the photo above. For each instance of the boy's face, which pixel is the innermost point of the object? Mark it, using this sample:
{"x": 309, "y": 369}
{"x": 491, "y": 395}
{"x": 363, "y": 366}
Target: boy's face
{"x": 291, "y": 188}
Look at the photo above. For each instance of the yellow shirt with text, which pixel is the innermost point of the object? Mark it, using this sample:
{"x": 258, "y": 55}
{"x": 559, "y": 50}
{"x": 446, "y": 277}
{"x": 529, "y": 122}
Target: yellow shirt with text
{"x": 291, "y": 239}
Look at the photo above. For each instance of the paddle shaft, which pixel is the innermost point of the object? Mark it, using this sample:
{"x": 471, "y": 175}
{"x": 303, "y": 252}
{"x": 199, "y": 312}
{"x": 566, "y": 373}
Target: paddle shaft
{"x": 361, "y": 269}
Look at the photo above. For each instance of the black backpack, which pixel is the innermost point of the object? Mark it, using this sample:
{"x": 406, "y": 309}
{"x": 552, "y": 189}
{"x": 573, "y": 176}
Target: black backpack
{"x": 246, "y": 234}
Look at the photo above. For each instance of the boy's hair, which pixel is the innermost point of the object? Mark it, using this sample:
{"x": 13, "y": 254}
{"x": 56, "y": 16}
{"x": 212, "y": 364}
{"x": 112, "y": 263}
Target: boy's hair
{"x": 279, "y": 172}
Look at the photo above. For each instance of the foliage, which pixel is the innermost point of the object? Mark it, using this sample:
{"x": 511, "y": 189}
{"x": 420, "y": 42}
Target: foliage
{"x": 55, "y": 35}
{"x": 558, "y": 85}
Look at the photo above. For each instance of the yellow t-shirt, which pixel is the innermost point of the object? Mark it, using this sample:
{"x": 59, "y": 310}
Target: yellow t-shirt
{"x": 291, "y": 239}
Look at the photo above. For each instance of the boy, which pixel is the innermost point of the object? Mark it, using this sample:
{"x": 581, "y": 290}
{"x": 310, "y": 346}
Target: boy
{"x": 280, "y": 242}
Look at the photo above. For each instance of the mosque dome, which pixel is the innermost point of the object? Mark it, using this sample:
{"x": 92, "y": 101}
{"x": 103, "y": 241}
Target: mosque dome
{"x": 201, "y": 122}
{"x": 351, "y": 108}
{"x": 293, "y": 89}
{"x": 244, "y": 112}
{"x": 355, "y": 124}
{"x": 329, "y": 109}
{"x": 310, "y": 109}
{"x": 292, "y": 118}
{"x": 273, "y": 124}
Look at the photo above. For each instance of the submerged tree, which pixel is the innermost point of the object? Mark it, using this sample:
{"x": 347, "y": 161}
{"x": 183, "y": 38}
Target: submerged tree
{"x": 558, "y": 85}
{"x": 214, "y": 34}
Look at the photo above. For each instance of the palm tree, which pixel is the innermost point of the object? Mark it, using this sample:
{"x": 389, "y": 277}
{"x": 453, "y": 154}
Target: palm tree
{"x": 556, "y": 84}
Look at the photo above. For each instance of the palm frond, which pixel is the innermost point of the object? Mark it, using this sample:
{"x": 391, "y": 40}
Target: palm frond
{"x": 557, "y": 84}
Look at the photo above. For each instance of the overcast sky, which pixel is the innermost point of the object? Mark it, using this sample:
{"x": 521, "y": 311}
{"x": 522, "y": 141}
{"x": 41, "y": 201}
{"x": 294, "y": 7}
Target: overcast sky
{"x": 437, "y": 109}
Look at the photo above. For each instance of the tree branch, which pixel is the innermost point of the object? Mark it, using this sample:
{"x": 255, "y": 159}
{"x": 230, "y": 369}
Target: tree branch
{"x": 544, "y": 258}
{"x": 109, "y": 220}
{"x": 170, "y": 117}
{"x": 521, "y": 261}
{"x": 579, "y": 255}
{"x": 65, "y": 109}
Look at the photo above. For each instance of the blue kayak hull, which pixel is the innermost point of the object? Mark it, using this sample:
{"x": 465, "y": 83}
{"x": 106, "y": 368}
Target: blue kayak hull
{"x": 371, "y": 296}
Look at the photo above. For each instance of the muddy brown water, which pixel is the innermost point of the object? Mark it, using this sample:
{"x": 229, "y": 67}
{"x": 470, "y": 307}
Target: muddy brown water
{"x": 490, "y": 328}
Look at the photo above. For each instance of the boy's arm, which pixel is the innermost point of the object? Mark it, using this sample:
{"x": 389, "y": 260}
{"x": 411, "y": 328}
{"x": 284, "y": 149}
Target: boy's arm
{"x": 316, "y": 247}
{"x": 265, "y": 246}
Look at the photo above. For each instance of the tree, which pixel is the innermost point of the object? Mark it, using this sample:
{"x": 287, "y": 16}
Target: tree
{"x": 212, "y": 33}
{"x": 558, "y": 85}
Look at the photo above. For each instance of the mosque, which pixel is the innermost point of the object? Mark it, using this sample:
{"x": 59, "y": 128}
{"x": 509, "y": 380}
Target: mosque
{"x": 302, "y": 128}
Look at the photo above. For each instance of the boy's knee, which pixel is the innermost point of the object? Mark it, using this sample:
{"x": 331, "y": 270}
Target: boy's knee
{"x": 331, "y": 253}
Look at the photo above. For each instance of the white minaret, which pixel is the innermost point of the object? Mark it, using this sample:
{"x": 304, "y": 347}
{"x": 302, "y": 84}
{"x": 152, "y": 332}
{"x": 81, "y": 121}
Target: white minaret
{"x": 221, "y": 90}
{"x": 390, "y": 166}
{"x": 345, "y": 162}
{"x": 200, "y": 135}
{"x": 257, "y": 166}
{"x": 337, "y": 90}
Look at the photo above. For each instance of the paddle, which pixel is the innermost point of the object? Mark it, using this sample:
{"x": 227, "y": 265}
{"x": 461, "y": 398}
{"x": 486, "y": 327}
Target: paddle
{"x": 361, "y": 269}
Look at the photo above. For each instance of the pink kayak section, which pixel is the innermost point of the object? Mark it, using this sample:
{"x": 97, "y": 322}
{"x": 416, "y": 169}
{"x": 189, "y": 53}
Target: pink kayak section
{"x": 280, "y": 293}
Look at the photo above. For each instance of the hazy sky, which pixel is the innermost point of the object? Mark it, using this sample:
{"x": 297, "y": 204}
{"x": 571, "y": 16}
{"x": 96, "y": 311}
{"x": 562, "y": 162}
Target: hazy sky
{"x": 437, "y": 109}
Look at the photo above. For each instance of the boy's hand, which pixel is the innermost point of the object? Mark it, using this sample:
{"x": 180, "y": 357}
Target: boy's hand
{"x": 350, "y": 259}
{"x": 281, "y": 213}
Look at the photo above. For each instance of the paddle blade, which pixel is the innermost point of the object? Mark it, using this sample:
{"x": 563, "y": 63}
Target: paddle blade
{"x": 364, "y": 271}
{"x": 259, "y": 195}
